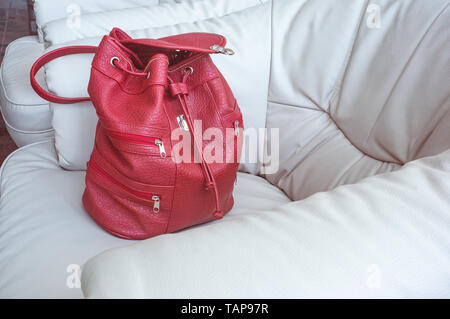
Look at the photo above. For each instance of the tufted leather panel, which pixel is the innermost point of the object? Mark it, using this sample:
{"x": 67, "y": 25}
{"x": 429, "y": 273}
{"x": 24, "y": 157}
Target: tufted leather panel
{"x": 394, "y": 92}
{"x": 359, "y": 100}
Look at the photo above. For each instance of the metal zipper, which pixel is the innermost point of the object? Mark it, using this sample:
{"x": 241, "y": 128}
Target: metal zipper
{"x": 236, "y": 128}
{"x": 182, "y": 123}
{"x": 162, "y": 150}
{"x": 156, "y": 200}
{"x": 140, "y": 139}
{"x": 222, "y": 50}
{"x": 147, "y": 196}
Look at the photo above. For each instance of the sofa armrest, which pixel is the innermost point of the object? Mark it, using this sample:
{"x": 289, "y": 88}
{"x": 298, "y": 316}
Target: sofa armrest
{"x": 387, "y": 236}
{"x": 26, "y": 115}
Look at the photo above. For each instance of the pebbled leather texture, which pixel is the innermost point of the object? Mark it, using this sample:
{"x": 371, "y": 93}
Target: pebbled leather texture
{"x": 127, "y": 169}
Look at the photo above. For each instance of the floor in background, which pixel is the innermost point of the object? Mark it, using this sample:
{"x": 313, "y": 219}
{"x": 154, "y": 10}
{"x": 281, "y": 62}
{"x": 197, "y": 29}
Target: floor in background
{"x": 14, "y": 23}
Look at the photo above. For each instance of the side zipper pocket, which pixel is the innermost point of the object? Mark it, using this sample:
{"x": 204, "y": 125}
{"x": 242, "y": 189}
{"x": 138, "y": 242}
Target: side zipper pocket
{"x": 156, "y": 198}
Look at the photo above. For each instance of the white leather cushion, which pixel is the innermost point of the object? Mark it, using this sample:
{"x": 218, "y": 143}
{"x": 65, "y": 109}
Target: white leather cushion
{"x": 50, "y": 10}
{"x": 385, "y": 237}
{"x": 100, "y": 23}
{"x": 22, "y": 109}
{"x": 353, "y": 100}
{"x": 75, "y": 124}
{"x": 44, "y": 228}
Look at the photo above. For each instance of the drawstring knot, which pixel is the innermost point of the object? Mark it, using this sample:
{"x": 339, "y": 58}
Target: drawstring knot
{"x": 209, "y": 185}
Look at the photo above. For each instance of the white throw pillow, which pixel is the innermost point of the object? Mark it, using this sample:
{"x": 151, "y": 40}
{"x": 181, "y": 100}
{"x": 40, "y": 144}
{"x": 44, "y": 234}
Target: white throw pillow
{"x": 247, "y": 73}
{"x": 96, "y": 24}
{"x": 50, "y": 10}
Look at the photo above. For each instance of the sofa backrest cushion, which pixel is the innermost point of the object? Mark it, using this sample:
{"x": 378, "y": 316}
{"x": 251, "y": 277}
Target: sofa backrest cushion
{"x": 357, "y": 88}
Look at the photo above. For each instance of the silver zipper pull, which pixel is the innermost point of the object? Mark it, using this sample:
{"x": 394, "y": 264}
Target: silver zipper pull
{"x": 162, "y": 150}
{"x": 236, "y": 128}
{"x": 182, "y": 123}
{"x": 157, "y": 201}
{"x": 219, "y": 49}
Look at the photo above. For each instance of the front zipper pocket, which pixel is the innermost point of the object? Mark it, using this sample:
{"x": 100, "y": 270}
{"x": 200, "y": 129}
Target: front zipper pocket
{"x": 154, "y": 198}
{"x": 140, "y": 142}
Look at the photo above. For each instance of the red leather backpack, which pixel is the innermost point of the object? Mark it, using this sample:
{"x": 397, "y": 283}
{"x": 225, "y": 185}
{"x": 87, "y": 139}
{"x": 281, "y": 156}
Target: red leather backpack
{"x": 143, "y": 90}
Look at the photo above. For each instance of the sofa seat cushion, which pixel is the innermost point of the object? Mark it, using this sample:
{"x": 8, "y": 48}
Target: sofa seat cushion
{"x": 384, "y": 237}
{"x": 44, "y": 228}
{"x": 27, "y": 116}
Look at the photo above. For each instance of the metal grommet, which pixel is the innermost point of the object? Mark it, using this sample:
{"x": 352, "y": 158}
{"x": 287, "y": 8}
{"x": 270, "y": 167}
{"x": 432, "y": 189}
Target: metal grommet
{"x": 189, "y": 68}
{"x": 113, "y": 59}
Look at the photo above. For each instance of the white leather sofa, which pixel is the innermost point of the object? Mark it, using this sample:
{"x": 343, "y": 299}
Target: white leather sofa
{"x": 360, "y": 204}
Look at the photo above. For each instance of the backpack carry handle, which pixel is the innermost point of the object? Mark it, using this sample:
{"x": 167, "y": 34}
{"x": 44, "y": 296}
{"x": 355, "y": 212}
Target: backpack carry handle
{"x": 46, "y": 58}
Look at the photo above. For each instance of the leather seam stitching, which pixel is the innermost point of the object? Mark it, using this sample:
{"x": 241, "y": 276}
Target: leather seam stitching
{"x": 340, "y": 130}
{"x": 260, "y": 166}
{"x": 337, "y": 86}
{"x": 296, "y": 106}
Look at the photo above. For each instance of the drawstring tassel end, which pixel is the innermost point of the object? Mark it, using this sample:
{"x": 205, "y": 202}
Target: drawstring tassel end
{"x": 218, "y": 214}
